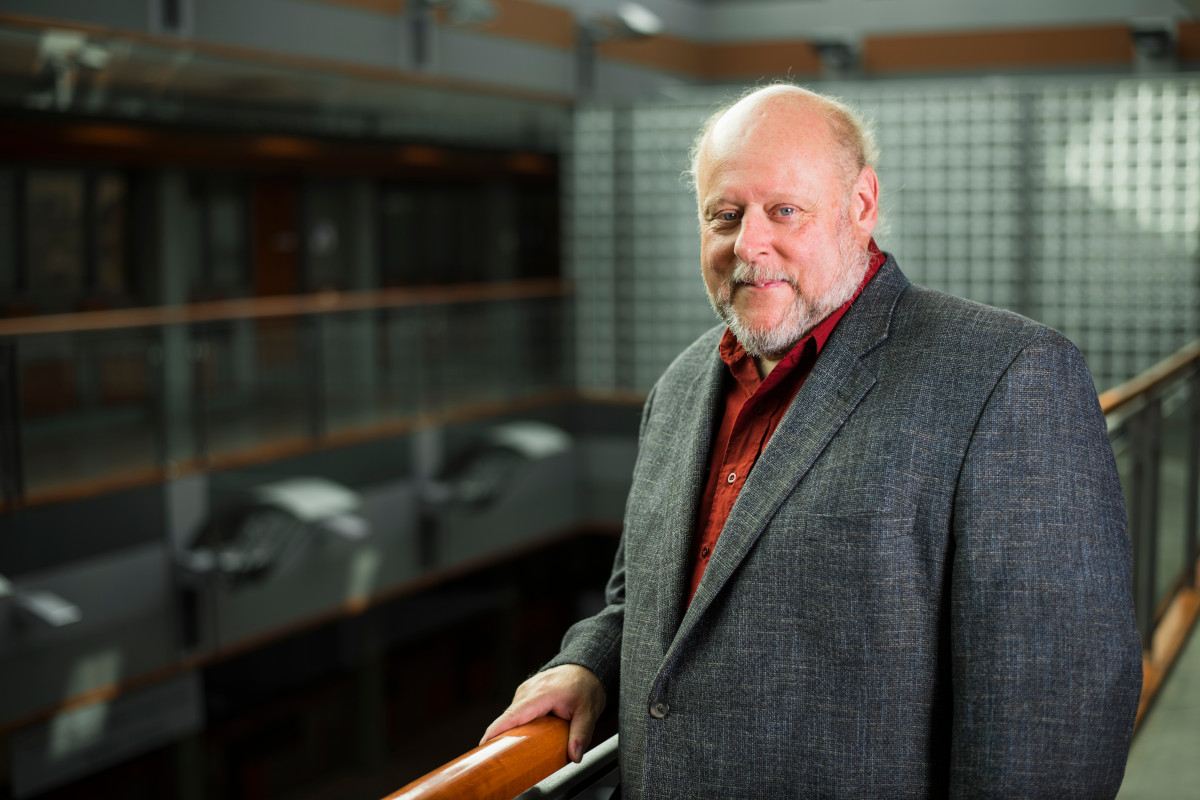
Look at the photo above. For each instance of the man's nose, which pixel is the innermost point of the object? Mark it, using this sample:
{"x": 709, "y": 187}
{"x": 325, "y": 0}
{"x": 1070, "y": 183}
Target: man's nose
{"x": 754, "y": 236}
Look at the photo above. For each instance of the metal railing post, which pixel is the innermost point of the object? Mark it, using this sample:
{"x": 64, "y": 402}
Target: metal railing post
{"x": 317, "y": 414}
{"x": 1191, "y": 516}
{"x": 12, "y": 476}
{"x": 201, "y": 355}
{"x": 1146, "y": 445}
{"x": 1137, "y": 498}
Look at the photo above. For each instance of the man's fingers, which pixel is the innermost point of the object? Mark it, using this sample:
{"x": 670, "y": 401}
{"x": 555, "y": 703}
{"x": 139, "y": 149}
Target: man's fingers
{"x": 568, "y": 691}
{"x": 580, "y": 734}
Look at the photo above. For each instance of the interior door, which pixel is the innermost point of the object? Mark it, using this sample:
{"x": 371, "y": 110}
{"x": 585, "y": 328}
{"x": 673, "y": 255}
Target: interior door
{"x": 275, "y": 215}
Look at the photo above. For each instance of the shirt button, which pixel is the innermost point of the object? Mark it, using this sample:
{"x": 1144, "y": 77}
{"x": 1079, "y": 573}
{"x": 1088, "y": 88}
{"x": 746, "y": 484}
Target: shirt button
{"x": 731, "y": 478}
{"x": 704, "y": 551}
{"x": 659, "y": 710}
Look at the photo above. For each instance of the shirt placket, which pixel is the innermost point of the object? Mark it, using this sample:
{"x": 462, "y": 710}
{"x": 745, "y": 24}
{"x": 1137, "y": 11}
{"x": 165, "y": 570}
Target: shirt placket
{"x": 733, "y": 471}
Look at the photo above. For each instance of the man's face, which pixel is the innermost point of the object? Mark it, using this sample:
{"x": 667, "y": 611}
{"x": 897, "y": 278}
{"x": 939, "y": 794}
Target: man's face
{"x": 783, "y": 233}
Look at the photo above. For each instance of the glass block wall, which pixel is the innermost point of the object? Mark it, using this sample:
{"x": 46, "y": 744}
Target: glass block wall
{"x": 1075, "y": 201}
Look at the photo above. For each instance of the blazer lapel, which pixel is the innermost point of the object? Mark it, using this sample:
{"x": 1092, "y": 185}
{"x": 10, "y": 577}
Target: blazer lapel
{"x": 689, "y": 461}
{"x": 838, "y": 383}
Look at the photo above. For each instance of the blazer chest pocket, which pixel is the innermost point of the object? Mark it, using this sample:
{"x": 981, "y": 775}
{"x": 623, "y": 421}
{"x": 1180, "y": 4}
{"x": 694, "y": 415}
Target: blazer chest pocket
{"x": 854, "y": 529}
{"x": 848, "y": 549}
{"x": 867, "y": 565}
{"x": 850, "y": 545}
{"x": 851, "y": 515}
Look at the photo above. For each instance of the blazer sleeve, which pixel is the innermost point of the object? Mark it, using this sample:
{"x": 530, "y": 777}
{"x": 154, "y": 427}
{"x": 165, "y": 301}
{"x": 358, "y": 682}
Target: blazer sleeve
{"x": 595, "y": 642}
{"x": 1046, "y": 660}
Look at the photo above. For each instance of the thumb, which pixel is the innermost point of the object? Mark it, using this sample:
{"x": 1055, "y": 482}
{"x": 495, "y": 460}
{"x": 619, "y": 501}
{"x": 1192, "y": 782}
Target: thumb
{"x": 513, "y": 717}
{"x": 583, "y": 722}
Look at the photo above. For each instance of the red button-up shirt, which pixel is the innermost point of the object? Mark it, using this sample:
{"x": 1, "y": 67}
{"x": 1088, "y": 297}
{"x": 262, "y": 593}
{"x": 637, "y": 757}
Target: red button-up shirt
{"x": 753, "y": 408}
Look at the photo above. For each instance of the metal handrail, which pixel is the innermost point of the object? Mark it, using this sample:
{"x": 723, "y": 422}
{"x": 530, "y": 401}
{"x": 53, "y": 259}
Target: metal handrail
{"x": 599, "y": 768}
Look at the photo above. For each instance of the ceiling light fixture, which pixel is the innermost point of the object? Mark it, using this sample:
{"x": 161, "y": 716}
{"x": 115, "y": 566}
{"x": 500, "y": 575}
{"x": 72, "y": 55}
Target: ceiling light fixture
{"x": 629, "y": 21}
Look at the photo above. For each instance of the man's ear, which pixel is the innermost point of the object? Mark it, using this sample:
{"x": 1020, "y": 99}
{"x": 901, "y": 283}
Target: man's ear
{"x": 864, "y": 204}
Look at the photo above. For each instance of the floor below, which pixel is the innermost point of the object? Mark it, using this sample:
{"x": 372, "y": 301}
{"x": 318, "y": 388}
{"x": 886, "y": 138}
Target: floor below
{"x": 1163, "y": 763}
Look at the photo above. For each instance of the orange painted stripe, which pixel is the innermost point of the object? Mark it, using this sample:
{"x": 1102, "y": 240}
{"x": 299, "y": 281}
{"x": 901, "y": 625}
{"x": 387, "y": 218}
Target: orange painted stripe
{"x": 762, "y": 59}
{"x": 527, "y": 20}
{"x": 1189, "y": 41}
{"x": 374, "y": 6}
{"x": 665, "y": 52}
{"x": 715, "y": 61}
{"x": 553, "y": 26}
{"x": 1106, "y": 45}
{"x": 1027, "y": 48}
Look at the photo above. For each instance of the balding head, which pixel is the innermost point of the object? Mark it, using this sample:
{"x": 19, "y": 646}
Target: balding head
{"x": 787, "y": 203}
{"x": 810, "y": 113}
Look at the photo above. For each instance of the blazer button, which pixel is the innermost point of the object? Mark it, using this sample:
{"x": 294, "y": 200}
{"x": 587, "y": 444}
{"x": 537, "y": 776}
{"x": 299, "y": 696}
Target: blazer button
{"x": 659, "y": 710}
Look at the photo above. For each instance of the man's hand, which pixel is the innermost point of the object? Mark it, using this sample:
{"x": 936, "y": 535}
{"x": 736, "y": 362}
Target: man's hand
{"x": 569, "y": 691}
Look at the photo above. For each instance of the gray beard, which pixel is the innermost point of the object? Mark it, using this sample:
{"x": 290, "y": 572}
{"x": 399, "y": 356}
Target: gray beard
{"x": 802, "y": 316}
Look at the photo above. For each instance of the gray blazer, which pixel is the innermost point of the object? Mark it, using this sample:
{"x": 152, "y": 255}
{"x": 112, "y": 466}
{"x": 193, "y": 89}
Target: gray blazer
{"x": 922, "y": 590}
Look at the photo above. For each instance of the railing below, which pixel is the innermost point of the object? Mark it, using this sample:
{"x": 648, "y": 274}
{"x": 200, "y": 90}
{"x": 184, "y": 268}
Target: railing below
{"x": 98, "y": 401}
{"x": 595, "y": 777}
{"x": 1154, "y": 425}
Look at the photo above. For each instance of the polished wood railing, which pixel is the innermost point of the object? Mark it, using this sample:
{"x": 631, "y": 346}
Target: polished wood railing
{"x": 1170, "y": 368}
{"x": 1136, "y": 411}
{"x": 297, "y": 305}
{"x": 499, "y": 769}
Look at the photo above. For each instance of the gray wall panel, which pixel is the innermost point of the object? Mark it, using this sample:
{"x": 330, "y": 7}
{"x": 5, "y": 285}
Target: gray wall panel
{"x": 1075, "y": 201}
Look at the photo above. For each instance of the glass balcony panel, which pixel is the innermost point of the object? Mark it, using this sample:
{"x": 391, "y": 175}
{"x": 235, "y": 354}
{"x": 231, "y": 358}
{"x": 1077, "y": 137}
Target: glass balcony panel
{"x": 1173, "y": 492}
{"x": 88, "y": 405}
{"x": 54, "y": 232}
{"x": 354, "y": 372}
{"x": 111, "y": 221}
{"x": 8, "y": 238}
{"x": 256, "y": 385}
{"x": 403, "y": 366}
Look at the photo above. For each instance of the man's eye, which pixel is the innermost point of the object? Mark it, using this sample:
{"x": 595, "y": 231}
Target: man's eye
{"x": 787, "y": 211}
{"x": 727, "y": 216}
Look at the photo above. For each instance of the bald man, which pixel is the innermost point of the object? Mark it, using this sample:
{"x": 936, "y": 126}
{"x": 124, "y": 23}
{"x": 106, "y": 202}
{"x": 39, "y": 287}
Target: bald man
{"x": 875, "y": 545}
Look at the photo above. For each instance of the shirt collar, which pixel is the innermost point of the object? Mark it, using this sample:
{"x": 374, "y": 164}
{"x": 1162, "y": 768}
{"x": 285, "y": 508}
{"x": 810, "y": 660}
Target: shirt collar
{"x": 742, "y": 365}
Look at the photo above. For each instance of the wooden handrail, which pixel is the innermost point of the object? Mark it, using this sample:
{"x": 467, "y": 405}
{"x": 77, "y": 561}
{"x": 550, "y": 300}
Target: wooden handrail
{"x": 1167, "y": 644}
{"x": 498, "y": 770}
{"x": 1124, "y": 393}
{"x": 327, "y": 302}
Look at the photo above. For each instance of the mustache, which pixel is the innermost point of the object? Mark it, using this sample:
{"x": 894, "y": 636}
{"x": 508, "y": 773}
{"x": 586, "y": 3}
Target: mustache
{"x": 746, "y": 272}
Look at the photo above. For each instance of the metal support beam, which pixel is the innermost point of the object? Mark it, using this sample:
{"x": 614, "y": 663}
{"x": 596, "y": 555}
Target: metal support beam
{"x": 314, "y": 336}
{"x": 12, "y": 479}
{"x": 1191, "y": 517}
{"x": 1146, "y": 446}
